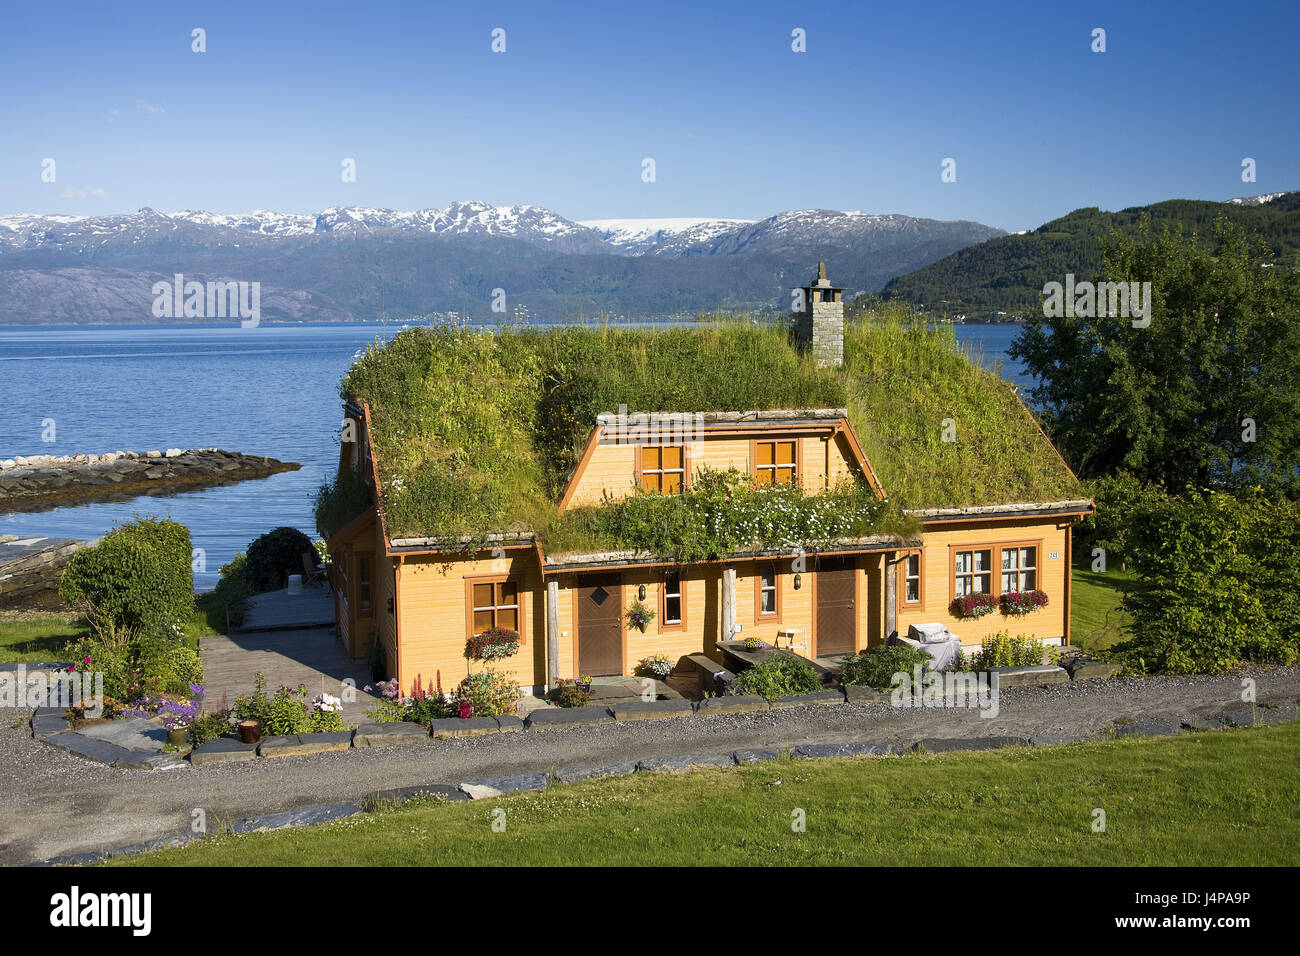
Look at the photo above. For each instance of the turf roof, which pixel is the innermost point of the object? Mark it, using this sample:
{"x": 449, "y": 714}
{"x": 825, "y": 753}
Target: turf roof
{"x": 476, "y": 431}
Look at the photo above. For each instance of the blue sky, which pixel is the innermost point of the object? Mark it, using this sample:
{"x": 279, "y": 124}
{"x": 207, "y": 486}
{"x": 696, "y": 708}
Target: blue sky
{"x": 738, "y": 124}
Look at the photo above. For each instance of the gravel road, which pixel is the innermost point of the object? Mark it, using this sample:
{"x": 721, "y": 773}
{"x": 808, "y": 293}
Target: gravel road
{"x": 53, "y": 803}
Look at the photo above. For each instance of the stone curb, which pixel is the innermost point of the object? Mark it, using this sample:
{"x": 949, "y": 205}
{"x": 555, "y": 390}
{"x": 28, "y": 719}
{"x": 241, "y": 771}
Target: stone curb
{"x": 939, "y": 745}
{"x": 400, "y": 795}
{"x": 576, "y": 774}
{"x": 1033, "y": 676}
{"x": 222, "y": 750}
{"x": 292, "y": 745}
{"x": 862, "y": 694}
{"x": 755, "y": 756}
{"x": 567, "y": 717}
{"x": 829, "y": 696}
{"x": 389, "y": 734}
{"x": 457, "y": 727}
{"x": 489, "y": 787}
{"x": 688, "y": 760}
{"x": 738, "y": 704}
{"x": 812, "y": 751}
{"x": 651, "y": 709}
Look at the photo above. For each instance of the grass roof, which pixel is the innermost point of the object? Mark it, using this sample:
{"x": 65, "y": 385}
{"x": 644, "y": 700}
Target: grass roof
{"x": 476, "y": 431}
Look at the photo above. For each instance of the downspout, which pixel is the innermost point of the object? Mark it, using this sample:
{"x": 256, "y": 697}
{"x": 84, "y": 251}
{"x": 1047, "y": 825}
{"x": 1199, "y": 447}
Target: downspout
{"x": 891, "y": 595}
{"x": 397, "y": 618}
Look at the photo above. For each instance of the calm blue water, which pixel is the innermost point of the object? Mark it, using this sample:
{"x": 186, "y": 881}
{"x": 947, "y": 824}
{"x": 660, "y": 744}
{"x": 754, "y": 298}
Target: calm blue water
{"x": 271, "y": 390}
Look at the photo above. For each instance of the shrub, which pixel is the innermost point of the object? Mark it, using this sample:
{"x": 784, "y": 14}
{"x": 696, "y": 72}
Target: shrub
{"x": 973, "y": 605}
{"x": 488, "y": 694}
{"x": 877, "y": 667}
{"x": 274, "y": 556}
{"x": 494, "y": 644}
{"x": 111, "y": 657}
{"x": 781, "y": 675}
{"x": 232, "y": 592}
{"x": 137, "y": 577}
{"x": 569, "y": 694}
{"x": 170, "y": 666}
{"x": 1003, "y": 650}
{"x": 209, "y": 727}
{"x": 1218, "y": 584}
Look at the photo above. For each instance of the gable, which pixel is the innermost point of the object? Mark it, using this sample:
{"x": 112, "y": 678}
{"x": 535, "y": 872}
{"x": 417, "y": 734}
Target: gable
{"x": 819, "y": 448}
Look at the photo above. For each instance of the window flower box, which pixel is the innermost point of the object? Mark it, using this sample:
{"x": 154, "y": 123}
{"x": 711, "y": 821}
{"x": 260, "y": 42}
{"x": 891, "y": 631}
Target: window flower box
{"x": 973, "y": 605}
{"x": 494, "y": 644}
{"x": 1023, "y": 602}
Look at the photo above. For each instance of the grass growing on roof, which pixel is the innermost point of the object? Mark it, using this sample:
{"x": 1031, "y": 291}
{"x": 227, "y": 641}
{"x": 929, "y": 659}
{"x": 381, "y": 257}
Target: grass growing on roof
{"x": 476, "y": 431}
{"x": 905, "y": 380}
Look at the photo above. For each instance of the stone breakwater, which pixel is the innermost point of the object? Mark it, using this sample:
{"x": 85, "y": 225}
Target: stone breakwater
{"x": 41, "y": 482}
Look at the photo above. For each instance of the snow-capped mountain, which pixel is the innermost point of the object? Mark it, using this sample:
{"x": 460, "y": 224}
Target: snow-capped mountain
{"x": 636, "y": 237}
{"x": 534, "y": 224}
{"x": 1256, "y": 200}
{"x": 351, "y": 262}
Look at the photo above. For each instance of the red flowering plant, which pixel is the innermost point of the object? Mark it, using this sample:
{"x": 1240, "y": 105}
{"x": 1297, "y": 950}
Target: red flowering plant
{"x": 494, "y": 644}
{"x": 973, "y": 605}
{"x": 1022, "y": 602}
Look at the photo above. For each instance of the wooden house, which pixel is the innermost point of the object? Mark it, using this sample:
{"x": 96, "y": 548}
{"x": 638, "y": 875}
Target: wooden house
{"x": 464, "y": 531}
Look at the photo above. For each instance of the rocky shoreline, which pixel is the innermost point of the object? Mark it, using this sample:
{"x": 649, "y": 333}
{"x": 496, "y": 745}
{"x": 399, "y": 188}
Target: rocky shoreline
{"x": 42, "y": 482}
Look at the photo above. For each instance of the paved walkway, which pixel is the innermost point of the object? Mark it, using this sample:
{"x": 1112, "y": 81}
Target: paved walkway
{"x": 311, "y": 656}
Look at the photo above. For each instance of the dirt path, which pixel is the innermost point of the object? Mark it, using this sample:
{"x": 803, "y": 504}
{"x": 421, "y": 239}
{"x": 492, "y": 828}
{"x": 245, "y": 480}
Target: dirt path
{"x": 52, "y": 803}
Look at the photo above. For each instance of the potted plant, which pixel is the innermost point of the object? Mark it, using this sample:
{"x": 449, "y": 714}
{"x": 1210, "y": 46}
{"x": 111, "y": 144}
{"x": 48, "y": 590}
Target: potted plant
{"x": 584, "y": 683}
{"x": 639, "y": 616}
{"x": 656, "y": 665}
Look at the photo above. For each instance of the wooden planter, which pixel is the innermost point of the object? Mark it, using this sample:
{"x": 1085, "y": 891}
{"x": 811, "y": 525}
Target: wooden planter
{"x": 250, "y": 731}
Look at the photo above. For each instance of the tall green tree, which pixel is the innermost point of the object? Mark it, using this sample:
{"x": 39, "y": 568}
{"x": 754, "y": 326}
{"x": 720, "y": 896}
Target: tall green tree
{"x": 1208, "y": 393}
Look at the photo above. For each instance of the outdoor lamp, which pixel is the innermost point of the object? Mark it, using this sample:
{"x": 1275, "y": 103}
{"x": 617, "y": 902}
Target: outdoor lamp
{"x": 798, "y": 581}
{"x": 640, "y": 593}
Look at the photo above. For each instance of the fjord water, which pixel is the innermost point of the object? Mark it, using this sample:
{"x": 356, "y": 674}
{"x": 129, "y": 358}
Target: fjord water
{"x": 270, "y": 390}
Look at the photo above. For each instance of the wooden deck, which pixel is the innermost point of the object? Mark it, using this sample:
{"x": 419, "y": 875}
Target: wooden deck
{"x": 311, "y": 656}
{"x": 280, "y": 610}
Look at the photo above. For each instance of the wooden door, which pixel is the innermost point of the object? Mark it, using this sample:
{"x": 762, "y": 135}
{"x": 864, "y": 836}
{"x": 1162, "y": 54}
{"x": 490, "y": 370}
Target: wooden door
{"x": 837, "y": 616}
{"x": 600, "y": 624}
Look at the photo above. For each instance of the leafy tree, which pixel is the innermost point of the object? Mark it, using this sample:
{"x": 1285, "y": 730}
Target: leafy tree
{"x": 1207, "y": 394}
{"x": 274, "y": 556}
{"x": 137, "y": 578}
{"x": 1219, "y": 583}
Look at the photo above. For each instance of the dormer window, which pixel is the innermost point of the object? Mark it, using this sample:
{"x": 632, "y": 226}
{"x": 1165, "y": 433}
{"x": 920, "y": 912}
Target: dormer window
{"x": 775, "y": 463}
{"x": 663, "y": 469}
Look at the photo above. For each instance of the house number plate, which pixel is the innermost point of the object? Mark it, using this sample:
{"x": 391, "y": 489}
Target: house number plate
{"x": 1054, "y": 554}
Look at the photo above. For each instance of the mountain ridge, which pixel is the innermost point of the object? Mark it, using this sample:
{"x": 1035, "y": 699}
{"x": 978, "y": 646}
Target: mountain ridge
{"x": 418, "y": 262}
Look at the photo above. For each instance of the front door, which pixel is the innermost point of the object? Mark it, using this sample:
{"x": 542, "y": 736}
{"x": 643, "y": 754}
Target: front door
{"x": 600, "y": 624}
{"x": 837, "y": 617}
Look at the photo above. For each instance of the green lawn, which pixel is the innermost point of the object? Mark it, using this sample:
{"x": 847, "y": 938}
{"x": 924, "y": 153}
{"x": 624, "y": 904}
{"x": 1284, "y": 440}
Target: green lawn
{"x": 32, "y": 637}
{"x": 1096, "y": 619}
{"x": 1225, "y": 798}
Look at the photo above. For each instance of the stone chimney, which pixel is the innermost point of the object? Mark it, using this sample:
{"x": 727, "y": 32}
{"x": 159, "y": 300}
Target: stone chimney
{"x": 819, "y": 320}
